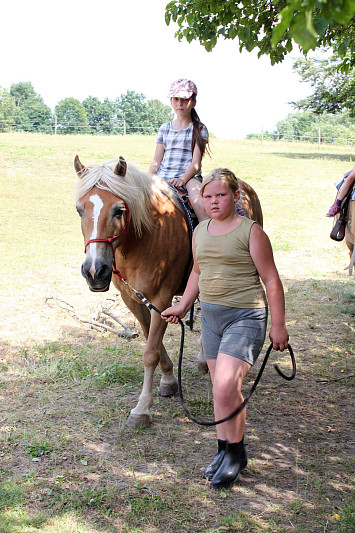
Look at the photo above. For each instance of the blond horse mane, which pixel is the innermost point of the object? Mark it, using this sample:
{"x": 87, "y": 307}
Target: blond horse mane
{"x": 137, "y": 189}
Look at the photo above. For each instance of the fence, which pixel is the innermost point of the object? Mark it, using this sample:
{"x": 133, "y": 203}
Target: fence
{"x": 115, "y": 127}
{"x": 319, "y": 138}
{"x": 122, "y": 127}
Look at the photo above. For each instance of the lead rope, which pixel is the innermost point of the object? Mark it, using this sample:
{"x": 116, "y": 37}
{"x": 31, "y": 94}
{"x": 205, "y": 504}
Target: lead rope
{"x": 257, "y": 379}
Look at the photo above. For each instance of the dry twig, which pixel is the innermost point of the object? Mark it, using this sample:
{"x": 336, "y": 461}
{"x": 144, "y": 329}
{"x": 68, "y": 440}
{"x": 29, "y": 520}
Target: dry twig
{"x": 96, "y": 323}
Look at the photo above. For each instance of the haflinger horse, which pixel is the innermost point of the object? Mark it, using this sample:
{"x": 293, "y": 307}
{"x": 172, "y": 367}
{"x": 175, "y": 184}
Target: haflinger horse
{"x": 137, "y": 234}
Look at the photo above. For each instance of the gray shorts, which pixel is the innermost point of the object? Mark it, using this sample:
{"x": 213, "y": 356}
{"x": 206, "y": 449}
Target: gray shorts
{"x": 233, "y": 331}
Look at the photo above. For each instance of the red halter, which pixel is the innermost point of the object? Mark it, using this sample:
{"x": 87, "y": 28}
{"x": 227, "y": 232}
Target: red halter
{"x": 110, "y": 241}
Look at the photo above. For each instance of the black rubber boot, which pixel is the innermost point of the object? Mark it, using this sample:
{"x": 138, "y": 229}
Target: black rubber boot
{"x": 211, "y": 469}
{"x": 235, "y": 459}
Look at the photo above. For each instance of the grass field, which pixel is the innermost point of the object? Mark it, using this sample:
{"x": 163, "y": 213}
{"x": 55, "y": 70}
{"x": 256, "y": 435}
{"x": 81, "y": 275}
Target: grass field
{"x": 68, "y": 464}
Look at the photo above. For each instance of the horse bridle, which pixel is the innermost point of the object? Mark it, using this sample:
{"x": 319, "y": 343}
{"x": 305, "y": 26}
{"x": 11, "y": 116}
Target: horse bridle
{"x": 110, "y": 241}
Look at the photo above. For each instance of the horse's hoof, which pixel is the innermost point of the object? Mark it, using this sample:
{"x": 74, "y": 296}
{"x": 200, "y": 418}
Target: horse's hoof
{"x": 138, "y": 420}
{"x": 168, "y": 389}
{"x": 202, "y": 367}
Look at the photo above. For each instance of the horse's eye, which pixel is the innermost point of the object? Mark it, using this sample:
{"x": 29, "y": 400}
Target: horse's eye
{"x": 80, "y": 209}
{"x": 117, "y": 211}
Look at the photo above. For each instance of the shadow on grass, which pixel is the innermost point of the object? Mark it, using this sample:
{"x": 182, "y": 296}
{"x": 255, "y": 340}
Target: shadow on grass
{"x": 106, "y": 477}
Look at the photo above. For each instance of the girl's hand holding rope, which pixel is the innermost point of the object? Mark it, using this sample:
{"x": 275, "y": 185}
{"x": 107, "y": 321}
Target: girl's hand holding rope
{"x": 279, "y": 337}
{"x": 172, "y": 314}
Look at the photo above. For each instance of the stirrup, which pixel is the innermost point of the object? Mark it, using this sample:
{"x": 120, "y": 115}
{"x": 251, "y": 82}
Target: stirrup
{"x": 338, "y": 232}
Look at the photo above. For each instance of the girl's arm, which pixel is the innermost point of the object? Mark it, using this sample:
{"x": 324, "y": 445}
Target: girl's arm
{"x": 191, "y": 169}
{"x": 157, "y": 159}
{"x": 262, "y": 255}
{"x": 171, "y": 314}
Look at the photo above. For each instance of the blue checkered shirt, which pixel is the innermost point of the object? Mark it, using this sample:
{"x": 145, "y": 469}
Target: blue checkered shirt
{"x": 177, "y": 150}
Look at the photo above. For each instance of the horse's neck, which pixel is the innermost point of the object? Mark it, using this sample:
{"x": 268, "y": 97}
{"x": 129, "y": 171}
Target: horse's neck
{"x": 134, "y": 243}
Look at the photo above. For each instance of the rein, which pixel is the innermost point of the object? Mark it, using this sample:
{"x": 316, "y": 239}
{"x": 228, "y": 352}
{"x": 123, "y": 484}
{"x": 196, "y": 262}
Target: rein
{"x": 257, "y": 379}
{"x": 110, "y": 241}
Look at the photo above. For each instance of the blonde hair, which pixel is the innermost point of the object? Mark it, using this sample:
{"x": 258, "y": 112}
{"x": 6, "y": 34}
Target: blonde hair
{"x": 221, "y": 174}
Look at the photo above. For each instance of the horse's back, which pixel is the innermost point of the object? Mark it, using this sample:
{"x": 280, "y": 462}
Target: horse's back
{"x": 250, "y": 203}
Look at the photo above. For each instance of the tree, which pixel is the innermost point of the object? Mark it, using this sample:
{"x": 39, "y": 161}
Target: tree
{"x": 71, "y": 116}
{"x": 132, "y": 108}
{"x": 159, "y": 113}
{"x": 100, "y": 115}
{"x": 21, "y": 92}
{"x": 334, "y": 91}
{"x": 33, "y": 114}
{"x": 139, "y": 115}
{"x": 271, "y": 26}
{"x": 306, "y": 126}
{"x": 8, "y": 111}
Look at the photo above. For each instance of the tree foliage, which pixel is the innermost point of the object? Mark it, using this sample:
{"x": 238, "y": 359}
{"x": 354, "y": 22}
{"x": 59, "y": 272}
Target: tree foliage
{"x": 8, "y": 111}
{"x": 270, "y": 26}
{"x": 334, "y": 91}
{"x": 71, "y": 116}
{"x": 336, "y": 128}
{"x": 140, "y": 115}
{"x": 159, "y": 113}
{"x": 32, "y": 113}
{"x": 100, "y": 115}
{"x": 22, "y": 109}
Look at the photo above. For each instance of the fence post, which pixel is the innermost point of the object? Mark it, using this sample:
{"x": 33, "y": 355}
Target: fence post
{"x": 319, "y": 138}
{"x": 124, "y": 127}
{"x": 55, "y": 124}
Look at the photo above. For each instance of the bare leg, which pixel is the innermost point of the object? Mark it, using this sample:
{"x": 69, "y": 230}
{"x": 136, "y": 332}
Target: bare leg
{"x": 345, "y": 188}
{"x": 228, "y": 374}
{"x": 193, "y": 188}
{"x": 343, "y": 191}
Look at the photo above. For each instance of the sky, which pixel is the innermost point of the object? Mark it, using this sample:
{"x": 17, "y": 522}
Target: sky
{"x": 82, "y": 48}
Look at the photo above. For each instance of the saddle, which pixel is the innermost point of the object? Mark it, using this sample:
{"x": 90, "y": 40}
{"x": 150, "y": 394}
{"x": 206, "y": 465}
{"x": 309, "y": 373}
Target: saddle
{"x": 338, "y": 231}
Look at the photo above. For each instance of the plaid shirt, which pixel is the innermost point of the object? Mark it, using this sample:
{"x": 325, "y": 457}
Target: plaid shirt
{"x": 177, "y": 150}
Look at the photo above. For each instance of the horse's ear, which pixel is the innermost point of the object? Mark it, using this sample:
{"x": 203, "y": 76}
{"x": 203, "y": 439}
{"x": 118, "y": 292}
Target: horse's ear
{"x": 121, "y": 167}
{"x": 79, "y": 167}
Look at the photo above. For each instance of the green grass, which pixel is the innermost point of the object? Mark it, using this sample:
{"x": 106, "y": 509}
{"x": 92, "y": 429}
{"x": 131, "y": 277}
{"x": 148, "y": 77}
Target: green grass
{"x": 38, "y": 180}
{"x": 344, "y": 519}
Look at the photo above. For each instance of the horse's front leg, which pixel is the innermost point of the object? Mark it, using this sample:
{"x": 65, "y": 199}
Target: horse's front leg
{"x": 152, "y": 354}
{"x": 168, "y": 382}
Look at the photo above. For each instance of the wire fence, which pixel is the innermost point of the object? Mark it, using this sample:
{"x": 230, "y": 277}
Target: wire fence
{"x": 320, "y": 138}
{"x": 113, "y": 127}
{"x": 123, "y": 127}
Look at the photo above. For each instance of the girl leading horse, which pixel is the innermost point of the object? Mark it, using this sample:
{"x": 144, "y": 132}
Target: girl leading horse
{"x": 135, "y": 230}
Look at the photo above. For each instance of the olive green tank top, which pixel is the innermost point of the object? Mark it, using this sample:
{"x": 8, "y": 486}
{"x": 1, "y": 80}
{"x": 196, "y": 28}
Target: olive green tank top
{"x": 228, "y": 275}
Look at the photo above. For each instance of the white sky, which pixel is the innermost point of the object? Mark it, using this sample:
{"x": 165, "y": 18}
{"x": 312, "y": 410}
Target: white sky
{"x": 103, "y": 48}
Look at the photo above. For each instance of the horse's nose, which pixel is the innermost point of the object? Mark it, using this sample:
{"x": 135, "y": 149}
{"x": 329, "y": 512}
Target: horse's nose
{"x": 103, "y": 273}
{"x": 97, "y": 274}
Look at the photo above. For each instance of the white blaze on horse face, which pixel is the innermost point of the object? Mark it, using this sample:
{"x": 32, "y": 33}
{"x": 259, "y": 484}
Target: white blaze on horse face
{"x": 98, "y": 204}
